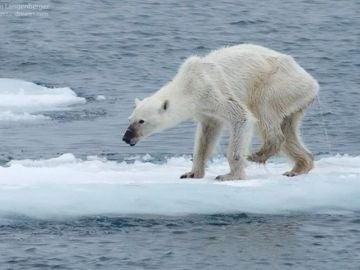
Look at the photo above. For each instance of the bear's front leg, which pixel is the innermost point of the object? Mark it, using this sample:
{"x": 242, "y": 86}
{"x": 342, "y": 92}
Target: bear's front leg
{"x": 240, "y": 139}
{"x": 207, "y": 134}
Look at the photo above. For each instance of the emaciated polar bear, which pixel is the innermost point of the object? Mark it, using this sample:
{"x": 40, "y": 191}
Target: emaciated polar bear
{"x": 240, "y": 86}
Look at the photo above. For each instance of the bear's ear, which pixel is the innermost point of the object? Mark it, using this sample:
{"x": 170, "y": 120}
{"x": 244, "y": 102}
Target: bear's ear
{"x": 165, "y": 105}
{"x": 137, "y": 101}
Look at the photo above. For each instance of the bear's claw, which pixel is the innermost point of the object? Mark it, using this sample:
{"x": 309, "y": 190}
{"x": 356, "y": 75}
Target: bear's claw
{"x": 291, "y": 174}
{"x": 221, "y": 178}
{"x": 187, "y": 175}
{"x": 196, "y": 174}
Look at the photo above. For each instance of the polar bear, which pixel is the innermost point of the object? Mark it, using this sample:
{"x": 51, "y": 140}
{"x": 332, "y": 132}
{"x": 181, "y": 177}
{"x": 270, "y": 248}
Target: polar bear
{"x": 239, "y": 87}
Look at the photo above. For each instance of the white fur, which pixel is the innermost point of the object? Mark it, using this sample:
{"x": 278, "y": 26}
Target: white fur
{"x": 235, "y": 86}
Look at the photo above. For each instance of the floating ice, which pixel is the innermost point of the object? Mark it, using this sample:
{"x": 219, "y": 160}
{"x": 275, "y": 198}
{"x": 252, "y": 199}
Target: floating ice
{"x": 100, "y": 97}
{"x": 67, "y": 186}
{"x": 21, "y": 100}
{"x": 9, "y": 116}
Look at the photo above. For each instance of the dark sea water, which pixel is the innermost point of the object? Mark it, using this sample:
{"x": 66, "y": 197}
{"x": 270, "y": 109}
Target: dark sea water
{"x": 237, "y": 241}
{"x": 127, "y": 49}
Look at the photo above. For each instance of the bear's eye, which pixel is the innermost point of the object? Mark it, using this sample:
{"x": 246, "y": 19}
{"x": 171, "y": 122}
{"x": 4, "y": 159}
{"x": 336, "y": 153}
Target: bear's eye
{"x": 141, "y": 121}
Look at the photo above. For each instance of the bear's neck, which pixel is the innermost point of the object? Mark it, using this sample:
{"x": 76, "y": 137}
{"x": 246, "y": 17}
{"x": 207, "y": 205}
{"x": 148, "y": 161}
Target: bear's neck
{"x": 180, "y": 104}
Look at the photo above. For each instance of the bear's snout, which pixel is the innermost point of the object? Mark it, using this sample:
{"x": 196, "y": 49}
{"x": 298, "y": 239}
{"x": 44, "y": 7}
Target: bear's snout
{"x": 130, "y": 136}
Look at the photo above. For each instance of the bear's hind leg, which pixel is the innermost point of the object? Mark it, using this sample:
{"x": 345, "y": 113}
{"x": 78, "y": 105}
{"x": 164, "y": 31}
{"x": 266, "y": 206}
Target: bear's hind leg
{"x": 273, "y": 138}
{"x": 293, "y": 146}
{"x": 207, "y": 134}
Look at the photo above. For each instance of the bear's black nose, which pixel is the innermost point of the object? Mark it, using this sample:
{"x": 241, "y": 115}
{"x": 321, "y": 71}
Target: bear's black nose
{"x": 126, "y": 139}
{"x": 129, "y": 135}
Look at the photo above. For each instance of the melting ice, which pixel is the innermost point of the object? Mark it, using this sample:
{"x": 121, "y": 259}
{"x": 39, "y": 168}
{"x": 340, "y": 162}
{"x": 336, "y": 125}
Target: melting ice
{"x": 23, "y": 101}
{"x": 66, "y": 185}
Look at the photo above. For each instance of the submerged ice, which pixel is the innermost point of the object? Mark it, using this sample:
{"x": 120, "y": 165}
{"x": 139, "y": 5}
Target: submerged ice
{"x": 65, "y": 185}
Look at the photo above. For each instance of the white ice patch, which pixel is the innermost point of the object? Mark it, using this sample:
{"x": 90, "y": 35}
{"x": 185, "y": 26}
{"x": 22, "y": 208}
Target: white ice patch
{"x": 9, "y": 116}
{"x": 100, "y": 97}
{"x": 21, "y": 100}
{"x": 69, "y": 186}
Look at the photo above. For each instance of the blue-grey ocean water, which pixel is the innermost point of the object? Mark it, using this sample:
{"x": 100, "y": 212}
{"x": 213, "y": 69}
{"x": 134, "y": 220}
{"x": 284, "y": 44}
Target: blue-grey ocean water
{"x": 127, "y": 49}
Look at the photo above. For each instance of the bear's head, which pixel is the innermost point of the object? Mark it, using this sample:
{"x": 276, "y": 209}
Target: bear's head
{"x": 149, "y": 116}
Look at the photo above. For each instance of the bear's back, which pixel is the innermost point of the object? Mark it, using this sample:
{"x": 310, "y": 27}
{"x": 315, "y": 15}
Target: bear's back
{"x": 242, "y": 51}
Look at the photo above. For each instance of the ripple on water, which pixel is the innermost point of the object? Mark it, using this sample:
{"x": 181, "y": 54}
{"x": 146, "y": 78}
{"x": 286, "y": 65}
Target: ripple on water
{"x": 157, "y": 240}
